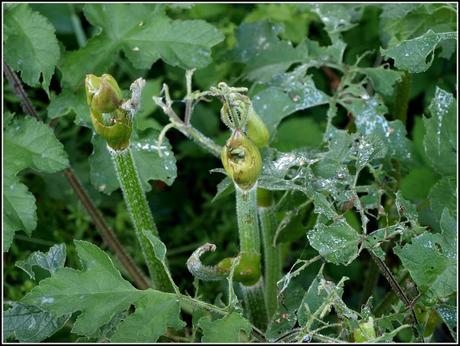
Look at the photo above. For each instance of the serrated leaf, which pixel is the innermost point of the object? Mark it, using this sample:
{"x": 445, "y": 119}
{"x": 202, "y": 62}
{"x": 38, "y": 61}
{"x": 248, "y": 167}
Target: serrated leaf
{"x": 155, "y": 313}
{"x": 369, "y": 116}
{"x": 98, "y": 291}
{"x": 323, "y": 206}
{"x": 144, "y": 35}
{"x": 20, "y": 211}
{"x": 369, "y": 148}
{"x": 443, "y": 195}
{"x": 337, "y": 243}
{"x": 70, "y": 101}
{"x": 263, "y": 52}
{"x": 432, "y": 259}
{"x": 383, "y": 79}
{"x": 440, "y": 140}
{"x": 27, "y": 323}
{"x": 225, "y": 329}
{"x": 411, "y": 55}
{"x": 224, "y": 188}
{"x": 145, "y": 153}
{"x": 32, "y": 144}
{"x": 31, "y": 45}
{"x": 51, "y": 261}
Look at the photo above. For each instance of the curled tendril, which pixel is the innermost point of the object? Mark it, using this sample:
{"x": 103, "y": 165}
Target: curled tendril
{"x": 201, "y": 271}
{"x": 247, "y": 270}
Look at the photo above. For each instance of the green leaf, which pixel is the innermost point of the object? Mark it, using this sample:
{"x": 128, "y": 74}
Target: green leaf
{"x": 440, "y": 140}
{"x": 297, "y": 133}
{"x": 311, "y": 301}
{"x": 69, "y": 101}
{"x": 369, "y": 116}
{"x": 448, "y": 314}
{"x": 144, "y": 35}
{"x": 337, "y": 17}
{"x": 432, "y": 259}
{"x": 98, "y": 291}
{"x": 337, "y": 243}
{"x": 51, "y": 261}
{"x": 383, "y": 79}
{"x": 290, "y": 92}
{"x": 31, "y": 45}
{"x": 145, "y": 153}
{"x": 225, "y": 329}
{"x": 29, "y": 143}
{"x": 28, "y": 323}
{"x": 323, "y": 206}
{"x": 20, "y": 211}
{"x": 369, "y": 148}
{"x": 443, "y": 195}
{"x": 155, "y": 313}
{"x": 264, "y": 54}
{"x": 412, "y": 55}
{"x": 417, "y": 183}
{"x": 407, "y": 209}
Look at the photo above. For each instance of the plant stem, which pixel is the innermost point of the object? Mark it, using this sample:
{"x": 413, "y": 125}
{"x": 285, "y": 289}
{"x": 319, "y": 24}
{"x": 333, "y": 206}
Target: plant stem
{"x": 76, "y": 24}
{"x": 272, "y": 255}
{"x": 106, "y": 232}
{"x": 249, "y": 234}
{"x": 141, "y": 215}
{"x": 402, "y": 98}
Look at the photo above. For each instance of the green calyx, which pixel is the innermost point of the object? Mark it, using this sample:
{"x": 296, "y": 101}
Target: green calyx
{"x": 241, "y": 160}
{"x": 247, "y": 271}
{"x": 109, "y": 120}
{"x": 256, "y": 129}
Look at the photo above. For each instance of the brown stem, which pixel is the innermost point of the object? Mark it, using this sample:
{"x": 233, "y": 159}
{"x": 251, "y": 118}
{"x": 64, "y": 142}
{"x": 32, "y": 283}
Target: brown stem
{"x": 106, "y": 232}
{"x": 397, "y": 289}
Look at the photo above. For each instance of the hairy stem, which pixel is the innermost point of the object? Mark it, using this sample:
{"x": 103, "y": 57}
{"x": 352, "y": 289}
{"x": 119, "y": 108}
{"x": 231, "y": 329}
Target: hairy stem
{"x": 402, "y": 98}
{"x": 272, "y": 257}
{"x": 141, "y": 215}
{"x": 106, "y": 232}
{"x": 249, "y": 234}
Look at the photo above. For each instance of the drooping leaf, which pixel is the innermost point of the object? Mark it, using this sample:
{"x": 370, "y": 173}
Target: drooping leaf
{"x": 155, "y": 312}
{"x": 31, "y": 45}
{"x": 19, "y": 209}
{"x": 145, "y": 35}
{"x": 337, "y": 243}
{"x": 146, "y": 157}
{"x": 98, "y": 291}
{"x": 27, "y": 323}
{"x": 337, "y": 17}
{"x": 32, "y": 144}
{"x": 440, "y": 140}
{"x": 51, "y": 261}
{"x": 225, "y": 329}
{"x": 412, "y": 55}
{"x": 432, "y": 259}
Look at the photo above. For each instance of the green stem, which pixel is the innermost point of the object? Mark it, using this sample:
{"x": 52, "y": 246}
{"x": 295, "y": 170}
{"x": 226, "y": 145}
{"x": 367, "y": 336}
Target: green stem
{"x": 141, "y": 215}
{"x": 402, "y": 98}
{"x": 249, "y": 234}
{"x": 272, "y": 257}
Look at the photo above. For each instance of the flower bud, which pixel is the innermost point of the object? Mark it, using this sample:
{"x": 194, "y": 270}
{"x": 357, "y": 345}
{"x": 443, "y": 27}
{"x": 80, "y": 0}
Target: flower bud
{"x": 256, "y": 129}
{"x": 241, "y": 160}
{"x": 102, "y": 93}
{"x": 247, "y": 271}
{"x": 118, "y": 133}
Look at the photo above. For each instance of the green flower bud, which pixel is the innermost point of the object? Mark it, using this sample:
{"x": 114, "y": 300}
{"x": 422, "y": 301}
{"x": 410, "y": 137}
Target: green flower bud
{"x": 247, "y": 271}
{"x": 256, "y": 129}
{"x": 102, "y": 93}
{"x": 365, "y": 331}
{"x": 109, "y": 121}
{"x": 241, "y": 160}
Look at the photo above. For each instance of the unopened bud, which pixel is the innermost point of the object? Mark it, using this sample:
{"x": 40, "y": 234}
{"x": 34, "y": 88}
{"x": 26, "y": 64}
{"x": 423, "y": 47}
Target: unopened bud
{"x": 103, "y": 93}
{"x": 256, "y": 129}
